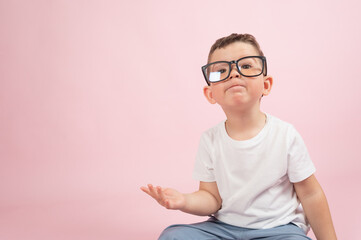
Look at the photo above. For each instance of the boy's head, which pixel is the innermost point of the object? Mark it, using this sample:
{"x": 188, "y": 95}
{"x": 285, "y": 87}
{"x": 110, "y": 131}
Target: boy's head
{"x": 236, "y": 72}
{"x": 234, "y": 37}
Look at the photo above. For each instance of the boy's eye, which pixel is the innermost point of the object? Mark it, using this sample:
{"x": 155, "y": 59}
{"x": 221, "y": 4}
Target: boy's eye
{"x": 223, "y": 70}
{"x": 246, "y": 66}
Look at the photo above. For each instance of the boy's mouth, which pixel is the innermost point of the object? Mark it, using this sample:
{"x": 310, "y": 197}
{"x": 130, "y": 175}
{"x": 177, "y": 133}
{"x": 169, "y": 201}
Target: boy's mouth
{"x": 236, "y": 86}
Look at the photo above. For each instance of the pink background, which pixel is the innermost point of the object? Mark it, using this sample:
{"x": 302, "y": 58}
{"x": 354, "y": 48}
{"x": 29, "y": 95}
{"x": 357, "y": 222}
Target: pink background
{"x": 98, "y": 98}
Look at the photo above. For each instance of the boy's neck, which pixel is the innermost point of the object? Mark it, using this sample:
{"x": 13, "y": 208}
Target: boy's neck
{"x": 246, "y": 124}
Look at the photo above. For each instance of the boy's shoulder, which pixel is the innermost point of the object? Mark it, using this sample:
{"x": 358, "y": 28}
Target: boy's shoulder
{"x": 214, "y": 131}
{"x": 216, "y": 127}
{"x": 282, "y": 124}
{"x": 279, "y": 122}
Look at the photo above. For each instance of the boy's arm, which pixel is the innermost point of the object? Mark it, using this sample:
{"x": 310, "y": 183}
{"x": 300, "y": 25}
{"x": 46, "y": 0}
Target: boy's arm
{"x": 316, "y": 208}
{"x": 203, "y": 202}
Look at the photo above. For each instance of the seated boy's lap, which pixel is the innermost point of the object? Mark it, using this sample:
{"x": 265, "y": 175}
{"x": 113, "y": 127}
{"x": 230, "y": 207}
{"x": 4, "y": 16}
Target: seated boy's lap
{"x": 214, "y": 229}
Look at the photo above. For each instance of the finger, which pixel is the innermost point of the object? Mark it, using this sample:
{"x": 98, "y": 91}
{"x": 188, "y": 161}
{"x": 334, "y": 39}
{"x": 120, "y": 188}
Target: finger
{"x": 161, "y": 196}
{"x": 152, "y": 191}
{"x": 145, "y": 189}
{"x": 160, "y": 193}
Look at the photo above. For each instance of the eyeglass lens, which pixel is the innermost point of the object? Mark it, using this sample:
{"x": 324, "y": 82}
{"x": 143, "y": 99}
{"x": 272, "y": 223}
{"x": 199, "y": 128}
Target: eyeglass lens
{"x": 249, "y": 67}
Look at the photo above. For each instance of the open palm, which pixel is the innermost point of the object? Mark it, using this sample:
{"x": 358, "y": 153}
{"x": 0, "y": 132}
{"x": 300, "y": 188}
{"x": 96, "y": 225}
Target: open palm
{"x": 167, "y": 197}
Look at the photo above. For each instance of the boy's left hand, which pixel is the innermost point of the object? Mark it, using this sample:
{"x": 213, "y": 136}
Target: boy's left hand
{"x": 167, "y": 197}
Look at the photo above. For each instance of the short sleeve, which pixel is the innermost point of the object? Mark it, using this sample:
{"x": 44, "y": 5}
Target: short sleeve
{"x": 203, "y": 167}
{"x": 300, "y": 165}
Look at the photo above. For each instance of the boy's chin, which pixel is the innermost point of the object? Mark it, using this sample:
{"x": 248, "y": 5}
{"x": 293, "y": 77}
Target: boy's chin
{"x": 240, "y": 105}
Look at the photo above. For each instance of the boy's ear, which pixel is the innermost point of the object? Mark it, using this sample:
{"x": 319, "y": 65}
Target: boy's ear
{"x": 207, "y": 91}
{"x": 267, "y": 85}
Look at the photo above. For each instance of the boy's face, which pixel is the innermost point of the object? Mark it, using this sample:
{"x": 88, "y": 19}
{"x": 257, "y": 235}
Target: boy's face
{"x": 237, "y": 91}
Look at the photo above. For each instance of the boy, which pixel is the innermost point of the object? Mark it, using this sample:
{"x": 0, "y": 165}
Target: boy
{"x": 254, "y": 169}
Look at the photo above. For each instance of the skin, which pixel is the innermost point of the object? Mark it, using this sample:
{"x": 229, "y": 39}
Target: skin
{"x": 240, "y": 99}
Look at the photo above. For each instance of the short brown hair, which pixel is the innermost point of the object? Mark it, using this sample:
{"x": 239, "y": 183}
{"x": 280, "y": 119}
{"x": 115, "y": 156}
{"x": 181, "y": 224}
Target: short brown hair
{"x": 234, "y": 37}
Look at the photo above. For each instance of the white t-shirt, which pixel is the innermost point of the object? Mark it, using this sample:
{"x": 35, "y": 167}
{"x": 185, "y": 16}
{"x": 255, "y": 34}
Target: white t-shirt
{"x": 255, "y": 176}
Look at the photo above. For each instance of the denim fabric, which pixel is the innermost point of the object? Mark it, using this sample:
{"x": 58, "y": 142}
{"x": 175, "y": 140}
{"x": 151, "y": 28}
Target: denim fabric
{"x": 213, "y": 229}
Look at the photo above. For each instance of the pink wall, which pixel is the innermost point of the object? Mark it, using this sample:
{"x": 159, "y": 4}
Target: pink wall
{"x": 100, "y": 97}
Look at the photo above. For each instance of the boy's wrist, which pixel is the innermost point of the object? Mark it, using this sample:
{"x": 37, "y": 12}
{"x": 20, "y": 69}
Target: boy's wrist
{"x": 182, "y": 207}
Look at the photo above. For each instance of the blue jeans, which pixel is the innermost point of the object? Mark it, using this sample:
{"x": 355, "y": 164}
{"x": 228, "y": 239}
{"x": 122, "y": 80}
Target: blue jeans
{"x": 214, "y": 229}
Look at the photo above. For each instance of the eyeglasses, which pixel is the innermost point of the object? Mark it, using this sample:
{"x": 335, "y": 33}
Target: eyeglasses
{"x": 250, "y": 66}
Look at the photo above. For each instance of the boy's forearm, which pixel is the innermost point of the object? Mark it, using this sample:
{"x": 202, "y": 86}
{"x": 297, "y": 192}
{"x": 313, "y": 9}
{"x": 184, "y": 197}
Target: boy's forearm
{"x": 201, "y": 203}
{"x": 319, "y": 216}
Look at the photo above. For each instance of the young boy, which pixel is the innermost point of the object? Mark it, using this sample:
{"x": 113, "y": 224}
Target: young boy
{"x": 254, "y": 169}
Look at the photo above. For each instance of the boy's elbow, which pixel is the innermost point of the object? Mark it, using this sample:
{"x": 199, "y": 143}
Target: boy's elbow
{"x": 213, "y": 202}
{"x": 211, "y": 189}
{"x": 218, "y": 202}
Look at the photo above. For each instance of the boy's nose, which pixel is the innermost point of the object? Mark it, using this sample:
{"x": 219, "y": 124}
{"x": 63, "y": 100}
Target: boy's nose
{"x": 234, "y": 72}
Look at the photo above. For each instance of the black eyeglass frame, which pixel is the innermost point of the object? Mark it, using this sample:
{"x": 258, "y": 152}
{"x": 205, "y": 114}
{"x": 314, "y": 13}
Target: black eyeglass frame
{"x": 264, "y": 68}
